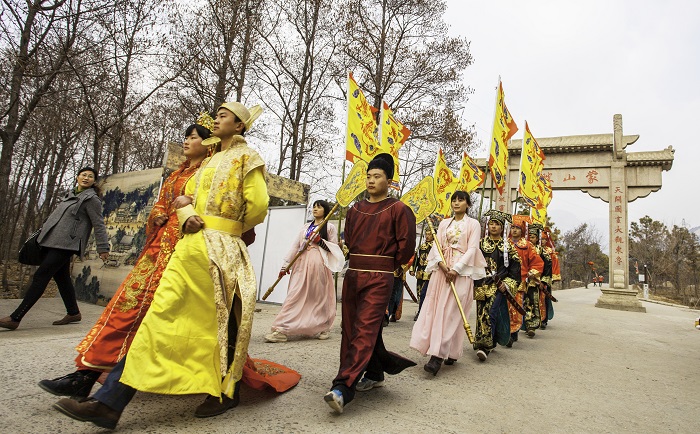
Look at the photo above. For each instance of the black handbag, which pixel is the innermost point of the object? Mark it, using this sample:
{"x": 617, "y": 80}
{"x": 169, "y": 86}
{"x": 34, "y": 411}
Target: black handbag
{"x": 30, "y": 253}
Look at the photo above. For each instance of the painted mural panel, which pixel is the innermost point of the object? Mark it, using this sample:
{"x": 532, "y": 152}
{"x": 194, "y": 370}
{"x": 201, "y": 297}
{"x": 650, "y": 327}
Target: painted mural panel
{"x": 128, "y": 200}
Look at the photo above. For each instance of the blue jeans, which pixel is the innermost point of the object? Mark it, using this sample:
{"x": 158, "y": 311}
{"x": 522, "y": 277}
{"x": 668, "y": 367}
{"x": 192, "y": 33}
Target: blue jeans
{"x": 396, "y": 293}
{"x": 114, "y": 394}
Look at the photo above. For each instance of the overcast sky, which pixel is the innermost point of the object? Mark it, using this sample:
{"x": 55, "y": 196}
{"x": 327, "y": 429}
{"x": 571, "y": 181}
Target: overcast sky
{"x": 567, "y": 67}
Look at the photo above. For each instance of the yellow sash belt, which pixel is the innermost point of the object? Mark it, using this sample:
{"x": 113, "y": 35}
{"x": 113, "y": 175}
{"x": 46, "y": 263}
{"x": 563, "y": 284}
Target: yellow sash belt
{"x": 221, "y": 224}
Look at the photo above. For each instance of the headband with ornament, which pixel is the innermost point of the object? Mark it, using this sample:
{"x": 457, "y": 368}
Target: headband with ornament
{"x": 535, "y": 229}
{"x": 499, "y": 216}
{"x": 503, "y": 218}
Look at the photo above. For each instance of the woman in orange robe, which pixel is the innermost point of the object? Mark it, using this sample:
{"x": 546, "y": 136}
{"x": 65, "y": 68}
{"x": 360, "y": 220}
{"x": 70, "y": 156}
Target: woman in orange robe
{"x": 109, "y": 339}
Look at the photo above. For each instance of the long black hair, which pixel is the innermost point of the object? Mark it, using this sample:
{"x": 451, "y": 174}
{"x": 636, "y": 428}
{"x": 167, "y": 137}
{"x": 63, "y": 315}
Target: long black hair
{"x": 459, "y": 194}
{"x": 326, "y": 209}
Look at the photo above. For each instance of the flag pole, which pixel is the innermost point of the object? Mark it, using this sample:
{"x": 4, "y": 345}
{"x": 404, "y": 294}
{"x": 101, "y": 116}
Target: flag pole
{"x": 493, "y": 126}
{"x": 520, "y": 171}
{"x": 342, "y": 176}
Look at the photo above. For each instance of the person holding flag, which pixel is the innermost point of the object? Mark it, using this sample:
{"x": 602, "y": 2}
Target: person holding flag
{"x": 310, "y": 306}
{"x": 380, "y": 233}
{"x": 503, "y": 270}
{"x": 545, "y": 303}
{"x": 420, "y": 262}
{"x": 438, "y": 331}
{"x": 549, "y": 247}
{"x": 531, "y": 269}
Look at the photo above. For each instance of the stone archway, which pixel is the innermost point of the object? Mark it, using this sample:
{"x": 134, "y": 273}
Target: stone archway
{"x": 599, "y": 165}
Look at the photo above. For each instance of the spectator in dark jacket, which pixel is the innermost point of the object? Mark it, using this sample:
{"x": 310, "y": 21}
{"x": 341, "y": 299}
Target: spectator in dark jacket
{"x": 64, "y": 234}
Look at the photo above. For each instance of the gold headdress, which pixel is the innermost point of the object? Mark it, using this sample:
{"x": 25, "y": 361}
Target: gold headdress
{"x": 206, "y": 121}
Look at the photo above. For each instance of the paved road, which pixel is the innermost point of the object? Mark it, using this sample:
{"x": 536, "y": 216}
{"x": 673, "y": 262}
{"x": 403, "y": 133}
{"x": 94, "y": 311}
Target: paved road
{"x": 592, "y": 371}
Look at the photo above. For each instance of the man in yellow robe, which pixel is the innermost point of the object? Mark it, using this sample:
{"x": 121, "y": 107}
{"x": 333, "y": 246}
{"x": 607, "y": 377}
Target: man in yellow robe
{"x": 194, "y": 338}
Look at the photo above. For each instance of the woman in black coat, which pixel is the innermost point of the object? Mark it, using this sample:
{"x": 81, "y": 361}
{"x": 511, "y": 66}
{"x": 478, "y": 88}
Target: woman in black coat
{"x": 64, "y": 234}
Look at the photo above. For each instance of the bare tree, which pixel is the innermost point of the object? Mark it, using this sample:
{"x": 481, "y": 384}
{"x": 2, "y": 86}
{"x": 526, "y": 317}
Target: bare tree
{"x": 38, "y": 38}
{"x": 400, "y": 53}
{"x": 299, "y": 47}
{"x": 219, "y": 35}
{"x": 123, "y": 70}
{"x": 580, "y": 246}
{"x": 671, "y": 257}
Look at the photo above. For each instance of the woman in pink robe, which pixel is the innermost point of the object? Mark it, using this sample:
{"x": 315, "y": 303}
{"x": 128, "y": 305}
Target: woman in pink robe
{"x": 439, "y": 330}
{"x": 310, "y": 306}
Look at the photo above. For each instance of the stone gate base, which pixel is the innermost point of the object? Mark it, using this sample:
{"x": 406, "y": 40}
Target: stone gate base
{"x": 620, "y": 299}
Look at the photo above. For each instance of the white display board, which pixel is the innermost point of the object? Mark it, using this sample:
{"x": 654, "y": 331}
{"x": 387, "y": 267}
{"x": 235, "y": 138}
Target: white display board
{"x": 273, "y": 238}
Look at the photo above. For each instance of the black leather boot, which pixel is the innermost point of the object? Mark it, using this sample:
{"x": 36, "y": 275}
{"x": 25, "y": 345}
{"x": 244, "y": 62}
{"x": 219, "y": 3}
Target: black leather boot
{"x": 433, "y": 365}
{"x": 78, "y": 384}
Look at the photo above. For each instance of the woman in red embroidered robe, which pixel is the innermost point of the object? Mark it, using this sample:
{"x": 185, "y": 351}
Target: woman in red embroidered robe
{"x": 109, "y": 339}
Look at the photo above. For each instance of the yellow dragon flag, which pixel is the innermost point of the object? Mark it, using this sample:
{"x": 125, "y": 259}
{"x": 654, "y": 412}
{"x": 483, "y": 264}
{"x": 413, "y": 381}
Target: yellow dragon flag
{"x": 504, "y": 128}
{"x": 531, "y": 165}
{"x": 470, "y": 176}
{"x": 392, "y": 135}
{"x": 354, "y": 184}
{"x": 545, "y": 187}
{"x": 445, "y": 184}
{"x": 421, "y": 199}
{"x": 361, "y": 135}
{"x": 539, "y": 215}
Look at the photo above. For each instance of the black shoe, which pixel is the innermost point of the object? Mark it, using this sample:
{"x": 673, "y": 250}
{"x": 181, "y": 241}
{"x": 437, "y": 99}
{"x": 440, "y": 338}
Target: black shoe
{"x": 449, "y": 361}
{"x": 543, "y": 325}
{"x": 510, "y": 343}
{"x": 392, "y": 318}
{"x": 213, "y": 406}
{"x": 514, "y": 336}
{"x": 433, "y": 365}
{"x": 530, "y": 333}
{"x": 78, "y": 384}
{"x": 89, "y": 410}
{"x": 385, "y": 321}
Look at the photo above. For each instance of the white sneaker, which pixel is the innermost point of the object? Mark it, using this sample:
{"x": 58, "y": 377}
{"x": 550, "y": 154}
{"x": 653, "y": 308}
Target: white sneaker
{"x": 276, "y": 336}
{"x": 323, "y": 335}
{"x": 366, "y": 384}
{"x": 334, "y": 399}
{"x": 481, "y": 354}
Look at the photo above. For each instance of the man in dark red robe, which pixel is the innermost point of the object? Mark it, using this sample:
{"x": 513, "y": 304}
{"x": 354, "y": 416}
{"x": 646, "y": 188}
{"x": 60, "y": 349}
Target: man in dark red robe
{"x": 381, "y": 235}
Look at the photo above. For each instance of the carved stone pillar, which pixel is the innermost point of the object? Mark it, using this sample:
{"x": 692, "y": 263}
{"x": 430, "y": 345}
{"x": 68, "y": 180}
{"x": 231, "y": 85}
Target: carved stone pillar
{"x": 619, "y": 296}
